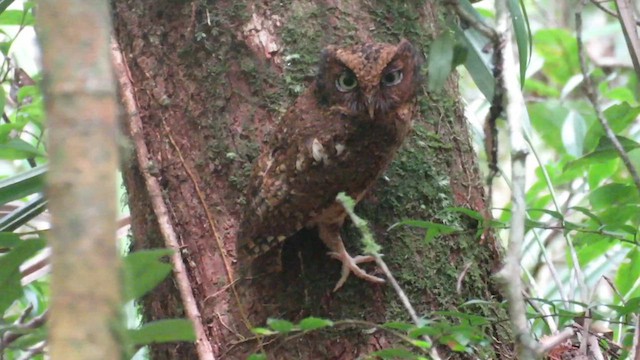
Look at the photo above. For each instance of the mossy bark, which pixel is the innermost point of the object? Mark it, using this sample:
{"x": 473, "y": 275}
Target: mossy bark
{"x": 212, "y": 78}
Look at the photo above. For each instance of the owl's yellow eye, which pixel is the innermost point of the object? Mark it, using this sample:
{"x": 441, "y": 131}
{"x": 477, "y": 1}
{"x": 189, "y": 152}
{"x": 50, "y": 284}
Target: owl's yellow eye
{"x": 392, "y": 78}
{"x": 346, "y": 82}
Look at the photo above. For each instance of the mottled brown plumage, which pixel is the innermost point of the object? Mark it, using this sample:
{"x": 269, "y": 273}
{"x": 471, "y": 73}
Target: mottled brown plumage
{"x": 339, "y": 136}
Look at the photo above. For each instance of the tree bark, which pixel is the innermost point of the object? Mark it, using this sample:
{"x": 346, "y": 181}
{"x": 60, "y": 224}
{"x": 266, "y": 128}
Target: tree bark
{"x": 211, "y": 79}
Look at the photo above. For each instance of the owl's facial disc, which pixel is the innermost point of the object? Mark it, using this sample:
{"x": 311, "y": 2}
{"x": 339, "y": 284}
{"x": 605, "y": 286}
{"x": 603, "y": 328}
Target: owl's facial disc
{"x": 347, "y": 81}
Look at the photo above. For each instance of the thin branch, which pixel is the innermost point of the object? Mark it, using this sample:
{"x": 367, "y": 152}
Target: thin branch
{"x": 367, "y": 238}
{"x": 19, "y": 329}
{"x": 509, "y": 275}
{"x": 203, "y": 346}
{"x": 599, "y": 6}
{"x": 590, "y": 91}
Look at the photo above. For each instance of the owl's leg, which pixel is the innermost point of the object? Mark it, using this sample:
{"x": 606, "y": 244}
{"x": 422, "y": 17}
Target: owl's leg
{"x": 330, "y": 235}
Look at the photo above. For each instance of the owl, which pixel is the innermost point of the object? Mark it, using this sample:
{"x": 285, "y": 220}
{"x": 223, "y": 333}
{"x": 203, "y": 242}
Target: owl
{"x": 339, "y": 136}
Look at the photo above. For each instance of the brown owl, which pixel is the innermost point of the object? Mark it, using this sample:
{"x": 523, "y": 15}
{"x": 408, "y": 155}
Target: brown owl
{"x": 339, "y": 136}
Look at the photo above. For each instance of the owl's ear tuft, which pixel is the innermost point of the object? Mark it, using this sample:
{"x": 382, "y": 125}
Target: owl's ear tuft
{"x": 406, "y": 50}
{"x": 324, "y": 81}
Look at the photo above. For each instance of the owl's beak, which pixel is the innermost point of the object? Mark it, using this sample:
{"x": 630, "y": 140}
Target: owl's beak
{"x": 371, "y": 106}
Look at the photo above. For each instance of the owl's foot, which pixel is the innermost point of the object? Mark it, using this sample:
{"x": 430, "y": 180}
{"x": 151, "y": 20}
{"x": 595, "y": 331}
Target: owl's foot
{"x": 350, "y": 264}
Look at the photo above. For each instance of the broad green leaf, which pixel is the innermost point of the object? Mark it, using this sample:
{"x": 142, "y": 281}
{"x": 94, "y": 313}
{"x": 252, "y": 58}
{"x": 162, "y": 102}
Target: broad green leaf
{"x": 4, "y": 4}
{"x": 262, "y": 331}
{"x": 547, "y": 119}
{"x": 422, "y": 344}
{"x": 144, "y": 270}
{"x": 588, "y": 213}
{"x": 629, "y": 272}
{"x": 313, "y": 323}
{"x": 18, "y": 149}
{"x": 559, "y": 49}
{"x": 421, "y": 331}
{"x": 30, "y": 338}
{"x": 396, "y": 325}
{"x": 257, "y": 357}
{"x": 16, "y": 17}
{"x": 613, "y": 194}
{"x": 523, "y": 34}
{"x": 620, "y": 117}
{"x": 162, "y": 331}
{"x": 440, "y": 60}
{"x": 395, "y": 354}
{"x": 281, "y": 326}
{"x": 9, "y": 240}
{"x": 470, "y": 213}
{"x": 478, "y": 62}
{"x": 599, "y": 172}
{"x": 10, "y": 276}
{"x": 605, "y": 151}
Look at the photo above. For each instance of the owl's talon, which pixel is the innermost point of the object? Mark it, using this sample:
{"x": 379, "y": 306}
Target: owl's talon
{"x": 350, "y": 264}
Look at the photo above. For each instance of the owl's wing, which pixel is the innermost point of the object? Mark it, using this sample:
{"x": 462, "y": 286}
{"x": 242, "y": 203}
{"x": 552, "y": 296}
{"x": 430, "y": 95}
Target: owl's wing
{"x": 288, "y": 186}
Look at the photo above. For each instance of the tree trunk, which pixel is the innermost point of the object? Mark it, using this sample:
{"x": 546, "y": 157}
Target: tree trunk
{"x": 211, "y": 79}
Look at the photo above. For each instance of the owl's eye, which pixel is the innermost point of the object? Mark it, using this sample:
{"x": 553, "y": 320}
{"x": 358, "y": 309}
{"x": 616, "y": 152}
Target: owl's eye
{"x": 346, "y": 82}
{"x": 392, "y": 78}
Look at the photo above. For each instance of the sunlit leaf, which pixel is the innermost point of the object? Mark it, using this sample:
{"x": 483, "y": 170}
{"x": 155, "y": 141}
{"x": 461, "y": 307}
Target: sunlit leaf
{"x": 10, "y": 276}
{"x": 162, "y": 331}
{"x": 313, "y": 323}
{"x": 281, "y": 326}
{"x": 144, "y": 269}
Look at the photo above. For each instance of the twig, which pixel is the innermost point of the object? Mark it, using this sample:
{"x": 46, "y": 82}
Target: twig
{"x": 628, "y": 24}
{"x": 13, "y": 335}
{"x": 599, "y": 6}
{"x": 509, "y": 275}
{"x": 203, "y": 346}
{"x": 590, "y": 91}
{"x": 371, "y": 248}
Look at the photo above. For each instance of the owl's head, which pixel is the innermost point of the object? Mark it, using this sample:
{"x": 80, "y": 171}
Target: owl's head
{"x": 372, "y": 78}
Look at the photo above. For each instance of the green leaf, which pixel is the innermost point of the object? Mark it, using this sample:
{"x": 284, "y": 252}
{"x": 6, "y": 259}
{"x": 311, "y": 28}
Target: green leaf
{"x": 163, "y": 331}
{"x": 613, "y": 194}
{"x": 257, "y": 357}
{"x": 281, "y": 326}
{"x": 421, "y": 331}
{"x": 30, "y": 338}
{"x": 396, "y": 325}
{"x": 10, "y": 276}
{"x": 263, "y": 331}
{"x": 395, "y": 354}
{"x": 478, "y": 62}
{"x": 559, "y": 49}
{"x": 16, "y": 17}
{"x": 9, "y": 240}
{"x": 588, "y": 213}
{"x": 604, "y": 152}
{"x": 18, "y": 149}
{"x": 523, "y": 34}
{"x": 629, "y": 272}
{"x": 144, "y": 270}
{"x": 313, "y": 323}
{"x": 440, "y": 60}
{"x": 422, "y": 344}
{"x": 4, "y": 4}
